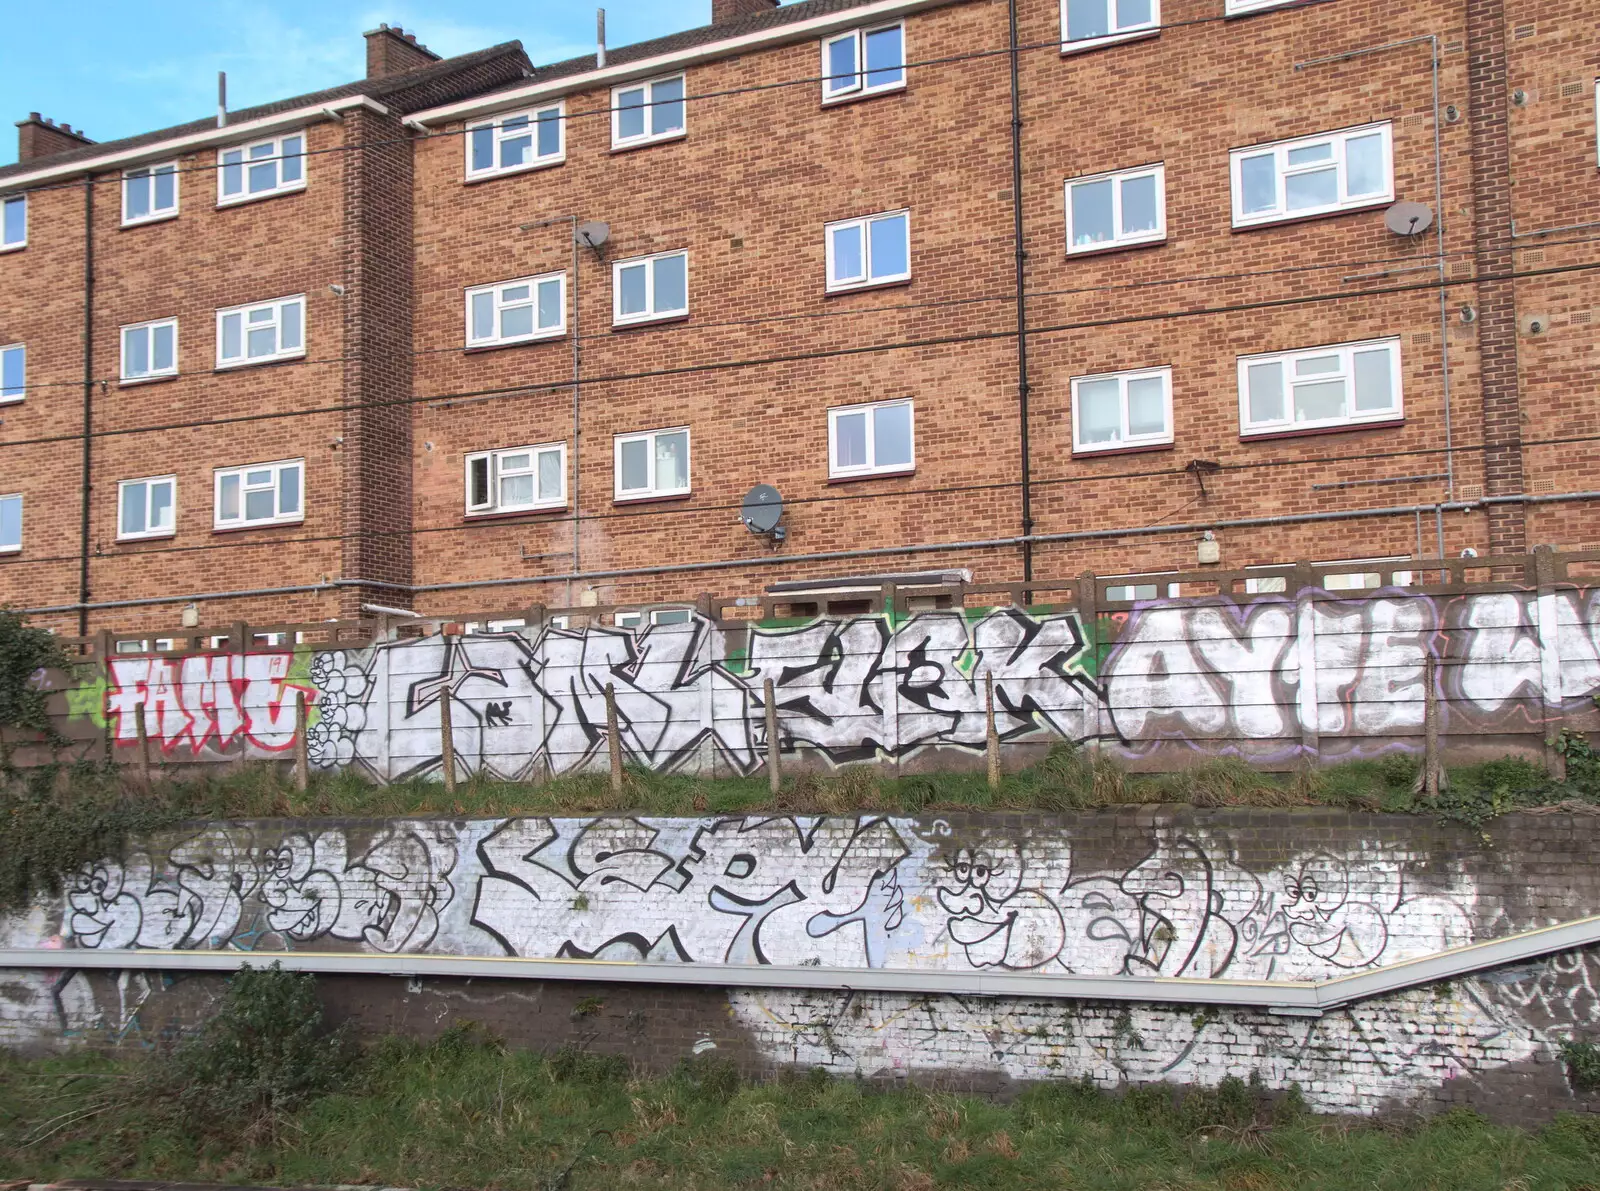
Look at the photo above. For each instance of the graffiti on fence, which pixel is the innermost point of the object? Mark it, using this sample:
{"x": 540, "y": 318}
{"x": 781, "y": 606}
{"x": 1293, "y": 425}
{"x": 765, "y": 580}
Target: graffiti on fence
{"x": 205, "y": 700}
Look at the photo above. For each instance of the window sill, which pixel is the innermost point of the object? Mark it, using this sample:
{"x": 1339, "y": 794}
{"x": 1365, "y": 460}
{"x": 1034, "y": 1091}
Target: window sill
{"x": 257, "y": 525}
{"x": 1104, "y": 249}
{"x": 479, "y": 349}
{"x": 246, "y": 199}
{"x": 531, "y": 167}
{"x": 856, "y": 478}
{"x": 147, "y": 537}
{"x": 864, "y": 287}
{"x": 13, "y": 400}
{"x": 515, "y": 513}
{"x": 1283, "y": 220}
{"x": 134, "y": 382}
{"x": 1278, "y": 6}
{"x": 637, "y": 323}
{"x": 13, "y": 248}
{"x": 630, "y": 146}
{"x": 1347, "y": 428}
{"x": 646, "y": 500}
{"x": 1138, "y": 449}
{"x": 130, "y": 224}
{"x": 10, "y": 551}
{"x": 833, "y": 101}
{"x": 1089, "y": 45}
{"x": 259, "y": 363}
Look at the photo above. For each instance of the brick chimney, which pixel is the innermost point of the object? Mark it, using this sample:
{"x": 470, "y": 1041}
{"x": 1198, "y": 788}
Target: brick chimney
{"x": 732, "y": 10}
{"x": 38, "y": 137}
{"x": 394, "y": 51}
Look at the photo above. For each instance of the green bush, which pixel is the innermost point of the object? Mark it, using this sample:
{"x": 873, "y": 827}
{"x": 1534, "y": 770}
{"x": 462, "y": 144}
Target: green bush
{"x": 1583, "y": 1065}
{"x": 24, "y": 705}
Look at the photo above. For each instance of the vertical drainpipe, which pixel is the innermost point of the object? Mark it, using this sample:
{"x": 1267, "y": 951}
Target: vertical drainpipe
{"x": 88, "y": 399}
{"x": 1022, "y": 307}
{"x": 577, "y": 378}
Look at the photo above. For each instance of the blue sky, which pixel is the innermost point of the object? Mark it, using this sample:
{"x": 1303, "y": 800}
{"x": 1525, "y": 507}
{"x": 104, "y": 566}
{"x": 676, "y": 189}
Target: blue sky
{"x": 114, "y": 69}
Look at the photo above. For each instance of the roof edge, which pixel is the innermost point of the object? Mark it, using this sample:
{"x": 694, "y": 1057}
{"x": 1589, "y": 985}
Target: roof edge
{"x": 801, "y": 30}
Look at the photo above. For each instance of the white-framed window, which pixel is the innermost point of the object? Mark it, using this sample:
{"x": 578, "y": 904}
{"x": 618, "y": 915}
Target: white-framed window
{"x": 517, "y": 479}
{"x": 260, "y": 494}
{"x": 261, "y": 332}
{"x": 13, "y": 222}
{"x": 643, "y": 113}
{"x": 13, "y": 372}
{"x": 1597, "y": 121}
{"x": 1143, "y": 587}
{"x": 652, "y": 463}
{"x": 150, "y": 350}
{"x": 875, "y": 250}
{"x": 1117, "y": 209}
{"x": 518, "y": 141}
{"x": 871, "y": 440}
{"x": 1118, "y": 410}
{"x": 517, "y": 311}
{"x": 1313, "y": 175}
{"x": 646, "y": 288}
{"x": 261, "y": 169}
{"x": 1346, "y": 384}
{"x": 11, "y": 523}
{"x": 149, "y": 193}
{"x": 863, "y": 62}
{"x": 147, "y": 508}
{"x": 636, "y": 619}
{"x": 1086, "y": 23}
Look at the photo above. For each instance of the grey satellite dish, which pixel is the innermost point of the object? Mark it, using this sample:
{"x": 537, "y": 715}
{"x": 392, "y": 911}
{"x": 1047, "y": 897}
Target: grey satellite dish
{"x": 592, "y": 234}
{"x": 1406, "y": 218}
{"x": 762, "y": 510}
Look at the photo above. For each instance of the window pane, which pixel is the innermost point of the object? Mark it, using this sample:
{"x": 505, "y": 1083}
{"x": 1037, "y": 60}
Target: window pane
{"x": 232, "y": 332}
{"x": 483, "y": 148}
{"x": 1374, "y": 381}
{"x": 516, "y": 150}
{"x": 550, "y": 475}
{"x": 1091, "y": 212}
{"x": 842, "y": 64}
{"x": 1133, "y": 12}
{"x": 136, "y": 350}
{"x": 1099, "y": 411}
{"x": 166, "y": 183}
{"x": 228, "y": 499}
{"x": 1316, "y": 365}
{"x": 1319, "y": 401}
{"x": 263, "y": 177}
{"x": 1310, "y": 154}
{"x": 885, "y": 61}
{"x": 630, "y": 117}
{"x": 516, "y": 321}
{"x": 847, "y": 262}
{"x": 891, "y": 435}
{"x": 261, "y": 152}
{"x": 850, "y": 440}
{"x": 257, "y": 479}
{"x": 136, "y": 195}
{"x": 631, "y": 281}
{"x": 1258, "y": 182}
{"x": 292, "y": 161}
{"x": 161, "y": 505}
{"x": 549, "y": 304}
{"x": 514, "y": 293}
{"x": 1265, "y": 382}
{"x": 518, "y": 462}
{"x": 263, "y": 342}
{"x": 1363, "y": 158}
{"x": 890, "y": 251}
{"x": 258, "y": 505}
{"x": 232, "y": 172}
{"x": 1087, "y": 18}
{"x": 478, "y": 482}
{"x": 1318, "y": 189}
{"x": 516, "y": 490}
{"x": 289, "y": 326}
{"x": 133, "y": 496}
{"x": 483, "y": 315}
{"x": 667, "y": 115}
{"x": 672, "y": 461}
{"x": 289, "y": 490}
{"x": 636, "y": 465}
{"x": 11, "y": 372}
{"x": 164, "y": 352}
{"x": 1139, "y": 205}
{"x": 1147, "y": 405}
{"x": 16, "y": 221}
{"x": 549, "y": 132}
{"x": 672, "y": 284}
{"x": 11, "y": 521}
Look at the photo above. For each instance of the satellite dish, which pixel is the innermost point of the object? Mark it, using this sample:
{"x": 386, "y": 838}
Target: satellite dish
{"x": 1406, "y": 218}
{"x": 762, "y": 510}
{"x": 592, "y": 234}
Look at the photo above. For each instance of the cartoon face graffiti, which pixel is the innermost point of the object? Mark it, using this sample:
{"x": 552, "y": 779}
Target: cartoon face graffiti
{"x": 998, "y": 923}
{"x": 302, "y": 897}
{"x": 1317, "y": 910}
{"x": 102, "y": 914}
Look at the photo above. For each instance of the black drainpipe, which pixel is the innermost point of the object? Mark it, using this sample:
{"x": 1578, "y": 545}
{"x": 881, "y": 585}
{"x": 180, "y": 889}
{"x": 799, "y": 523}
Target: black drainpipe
{"x": 88, "y": 397}
{"x": 1022, "y": 307}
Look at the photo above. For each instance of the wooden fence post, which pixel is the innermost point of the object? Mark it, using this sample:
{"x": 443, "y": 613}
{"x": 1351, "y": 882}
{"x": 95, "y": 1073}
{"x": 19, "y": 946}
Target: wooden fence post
{"x": 447, "y": 742}
{"x": 992, "y": 736}
{"x": 769, "y": 696}
{"x": 1430, "y": 729}
{"x": 613, "y": 740}
{"x": 144, "y": 746}
{"x": 302, "y": 761}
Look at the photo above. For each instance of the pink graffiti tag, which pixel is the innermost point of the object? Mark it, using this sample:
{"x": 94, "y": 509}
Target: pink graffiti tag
{"x": 206, "y": 699}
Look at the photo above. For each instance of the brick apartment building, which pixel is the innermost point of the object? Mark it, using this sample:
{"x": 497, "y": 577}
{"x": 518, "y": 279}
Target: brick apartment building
{"x": 474, "y": 334}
